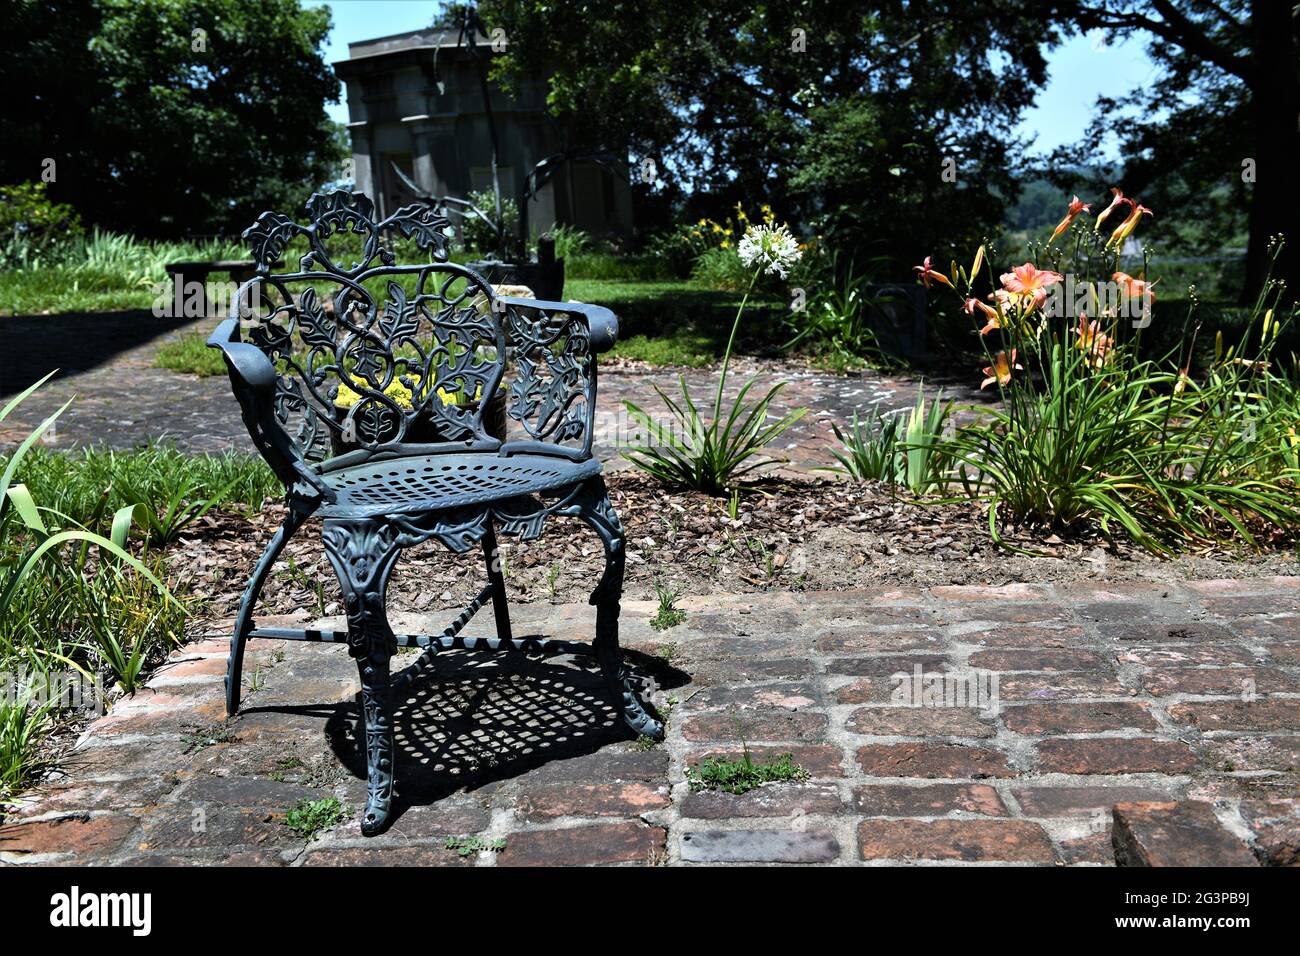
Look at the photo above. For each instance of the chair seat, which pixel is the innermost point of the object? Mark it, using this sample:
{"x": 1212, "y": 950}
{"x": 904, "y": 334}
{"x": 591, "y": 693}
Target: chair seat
{"x": 433, "y": 482}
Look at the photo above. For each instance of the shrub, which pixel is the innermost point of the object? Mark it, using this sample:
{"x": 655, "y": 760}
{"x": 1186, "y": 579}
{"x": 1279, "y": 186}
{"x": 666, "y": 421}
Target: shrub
{"x": 30, "y": 223}
{"x": 837, "y": 320}
{"x": 481, "y": 237}
{"x": 1090, "y": 432}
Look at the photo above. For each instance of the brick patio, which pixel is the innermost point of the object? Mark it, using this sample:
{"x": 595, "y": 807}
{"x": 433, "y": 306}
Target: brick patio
{"x": 1180, "y": 703}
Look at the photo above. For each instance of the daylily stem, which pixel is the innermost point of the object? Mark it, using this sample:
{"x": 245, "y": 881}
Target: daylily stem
{"x": 726, "y": 356}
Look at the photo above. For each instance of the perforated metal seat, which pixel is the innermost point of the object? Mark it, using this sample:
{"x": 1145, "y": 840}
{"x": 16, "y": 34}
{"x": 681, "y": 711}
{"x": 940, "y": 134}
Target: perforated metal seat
{"x": 434, "y": 482}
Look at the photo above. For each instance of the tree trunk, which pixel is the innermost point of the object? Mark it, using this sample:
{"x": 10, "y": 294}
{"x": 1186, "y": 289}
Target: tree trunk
{"x": 1275, "y": 113}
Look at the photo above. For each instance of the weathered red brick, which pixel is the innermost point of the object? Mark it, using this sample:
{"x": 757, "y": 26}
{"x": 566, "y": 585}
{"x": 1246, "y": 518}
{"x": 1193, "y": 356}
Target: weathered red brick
{"x": 1052, "y": 802}
{"x": 921, "y": 722}
{"x": 888, "y": 666}
{"x": 992, "y": 593}
{"x": 585, "y": 846}
{"x": 1222, "y": 655}
{"x": 1107, "y": 755}
{"x": 1035, "y": 612}
{"x": 388, "y": 856}
{"x": 1077, "y": 718}
{"x": 970, "y": 841}
{"x": 1278, "y": 713}
{"x": 1025, "y": 635}
{"x": 1276, "y": 825}
{"x": 932, "y": 760}
{"x": 759, "y": 846}
{"x": 1255, "y": 753}
{"x": 1061, "y": 686}
{"x": 1185, "y": 833}
{"x": 591, "y": 800}
{"x": 859, "y": 640}
{"x": 756, "y": 725}
{"x": 1285, "y": 652}
{"x": 1216, "y": 680}
{"x": 83, "y": 835}
{"x": 1037, "y": 659}
{"x": 928, "y": 800}
{"x": 774, "y": 800}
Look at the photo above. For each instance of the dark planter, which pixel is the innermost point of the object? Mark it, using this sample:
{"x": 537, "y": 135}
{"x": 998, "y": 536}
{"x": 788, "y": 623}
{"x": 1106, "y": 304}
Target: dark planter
{"x": 546, "y": 279}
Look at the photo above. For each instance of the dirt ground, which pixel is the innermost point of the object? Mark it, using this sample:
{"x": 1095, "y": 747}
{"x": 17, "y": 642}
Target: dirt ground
{"x": 790, "y": 534}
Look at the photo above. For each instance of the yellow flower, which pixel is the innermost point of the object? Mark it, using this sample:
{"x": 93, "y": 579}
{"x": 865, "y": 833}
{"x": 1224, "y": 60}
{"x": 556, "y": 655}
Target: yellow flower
{"x": 348, "y": 397}
{"x": 399, "y": 393}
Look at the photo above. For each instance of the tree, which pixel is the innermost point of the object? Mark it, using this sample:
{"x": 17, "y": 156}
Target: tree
{"x": 167, "y": 117}
{"x": 1217, "y": 139}
{"x": 845, "y": 115}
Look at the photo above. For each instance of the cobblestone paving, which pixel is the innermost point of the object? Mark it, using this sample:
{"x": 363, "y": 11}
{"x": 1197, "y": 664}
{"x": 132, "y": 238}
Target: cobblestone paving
{"x": 1164, "y": 699}
{"x": 122, "y": 401}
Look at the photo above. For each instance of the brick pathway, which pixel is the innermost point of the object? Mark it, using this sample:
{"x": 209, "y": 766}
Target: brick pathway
{"x": 1182, "y": 703}
{"x": 123, "y": 401}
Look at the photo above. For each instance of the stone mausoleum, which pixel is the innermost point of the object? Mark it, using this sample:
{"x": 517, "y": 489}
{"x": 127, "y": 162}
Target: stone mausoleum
{"x": 415, "y": 102}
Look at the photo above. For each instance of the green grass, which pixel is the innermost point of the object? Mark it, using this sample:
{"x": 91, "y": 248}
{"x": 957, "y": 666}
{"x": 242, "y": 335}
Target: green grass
{"x": 23, "y": 725}
{"x": 743, "y": 775}
{"x": 669, "y": 614}
{"x": 190, "y": 353}
{"x": 74, "y": 482}
{"x": 98, "y": 273}
{"x": 681, "y": 347}
{"x": 464, "y": 846}
{"x": 310, "y": 817}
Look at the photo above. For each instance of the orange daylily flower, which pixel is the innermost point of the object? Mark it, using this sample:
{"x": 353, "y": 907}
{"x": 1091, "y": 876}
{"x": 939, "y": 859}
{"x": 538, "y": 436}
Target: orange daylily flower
{"x": 1135, "y": 288}
{"x": 1119, "y": 200}
{"x": 1001, "y": 369}
{"x": 1076, "y": 206}
{"x": 1093, "y": 341}
{"x": 1025, "y": 287}
{"x": 1028, "y": 279}
{"x": 926, "y": 274}
{"x": 992, "y": 314}
{"x": 1126, "y": 227}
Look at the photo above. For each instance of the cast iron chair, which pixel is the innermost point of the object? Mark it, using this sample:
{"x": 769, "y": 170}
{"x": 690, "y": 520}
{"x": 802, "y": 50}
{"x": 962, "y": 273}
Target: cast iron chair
{"x": 413, "y": 455}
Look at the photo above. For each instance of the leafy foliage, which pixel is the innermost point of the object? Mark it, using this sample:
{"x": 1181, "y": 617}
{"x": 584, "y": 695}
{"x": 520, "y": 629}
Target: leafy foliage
{"x": 309, "y": 817}
{"x": 743, "y": 775}
{"x": 212, "y": 109}
{"x": 857, "y": 110}
{"x": 909, "y": 450}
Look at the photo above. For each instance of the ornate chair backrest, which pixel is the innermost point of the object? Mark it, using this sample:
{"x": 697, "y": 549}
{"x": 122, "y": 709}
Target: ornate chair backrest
{"x": 382, "y": 356}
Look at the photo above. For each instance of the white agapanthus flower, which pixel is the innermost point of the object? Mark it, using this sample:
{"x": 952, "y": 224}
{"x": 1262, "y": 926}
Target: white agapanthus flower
{"x": 771, "y": 248}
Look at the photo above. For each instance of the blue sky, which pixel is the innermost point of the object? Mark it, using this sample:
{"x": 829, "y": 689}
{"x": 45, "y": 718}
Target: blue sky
{"x": 1079, "y": 70}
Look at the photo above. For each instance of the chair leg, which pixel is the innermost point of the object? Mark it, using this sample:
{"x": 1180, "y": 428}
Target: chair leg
{"x": 363, "y": 552}
{"x": 244, "y": 620}
{"x": 597, "y": 511}
{"x": 500, "y": 605}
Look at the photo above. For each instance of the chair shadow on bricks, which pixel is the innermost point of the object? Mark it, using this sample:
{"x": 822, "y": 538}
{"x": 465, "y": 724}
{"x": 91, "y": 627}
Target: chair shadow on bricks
{"x": 463, "y": 720}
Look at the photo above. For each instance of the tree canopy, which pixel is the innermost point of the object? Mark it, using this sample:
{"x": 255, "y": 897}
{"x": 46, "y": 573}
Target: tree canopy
{"x": 1212, "y": 143}
{"x": 167, "y": 117}
{"x": 875, "y": 123}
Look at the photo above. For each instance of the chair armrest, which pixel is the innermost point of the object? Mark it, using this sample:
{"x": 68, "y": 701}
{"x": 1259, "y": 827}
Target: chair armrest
{"x": 248, "y": 361}
{"x": 602, "y": 324}
{"x": 253, "y": 379}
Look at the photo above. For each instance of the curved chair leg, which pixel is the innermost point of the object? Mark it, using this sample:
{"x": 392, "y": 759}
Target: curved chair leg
{"x": 595, "y": 509}
{"x": 492, "y": 558}
{"x": 363, "y": 552}
{"x": 244, "y": 620}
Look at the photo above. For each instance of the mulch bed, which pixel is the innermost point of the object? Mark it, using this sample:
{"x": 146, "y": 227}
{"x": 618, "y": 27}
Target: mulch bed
{"x": 790, "y": 533}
